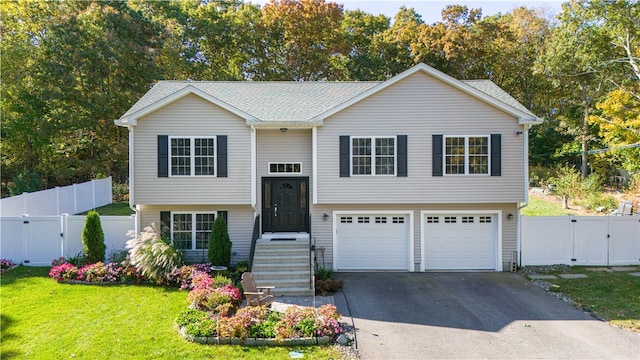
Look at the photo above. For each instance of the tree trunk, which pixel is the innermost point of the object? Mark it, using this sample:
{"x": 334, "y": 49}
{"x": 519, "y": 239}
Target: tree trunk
{"x": 585, "y": 138}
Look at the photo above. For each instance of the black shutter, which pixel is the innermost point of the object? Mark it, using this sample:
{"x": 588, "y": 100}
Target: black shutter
{"x": 345, "y": 144}
{"x": 222, "y": 155}
{"x": 402, "y": 155}
{"x": 436, "y": 161}
{"x": 224, "y": 215}
{"x": 165, "y": 224}
{"x": 496, "y": 155}
{"x": 163, "y": 156}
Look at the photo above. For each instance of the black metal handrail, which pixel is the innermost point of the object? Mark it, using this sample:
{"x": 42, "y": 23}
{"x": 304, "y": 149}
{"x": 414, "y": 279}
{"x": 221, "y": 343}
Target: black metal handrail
{"x": 254, "y": 239}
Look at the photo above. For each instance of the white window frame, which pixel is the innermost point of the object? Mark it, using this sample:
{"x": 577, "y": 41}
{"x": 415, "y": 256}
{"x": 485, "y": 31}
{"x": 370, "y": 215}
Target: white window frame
{"x": 373, "y": 154}
{"x": 193, "y": 225}
{"x": 284, "y": 163}
{"x": 466, "y": 154}
{"x": 192, "y": 157}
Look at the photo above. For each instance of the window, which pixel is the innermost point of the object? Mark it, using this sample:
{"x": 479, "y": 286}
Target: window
{"x": 191, "y": 231}
{"x": 373, "y": 155}
{"x": 466, "y": 155}
{"x": 467, "y": 219}
{"x": 285, "y": 168}
{"x": 485, "y": 219}
{"x": 381, "y": 219}
{"x": 398, "y": 219}
{"x": 191, "y": 156}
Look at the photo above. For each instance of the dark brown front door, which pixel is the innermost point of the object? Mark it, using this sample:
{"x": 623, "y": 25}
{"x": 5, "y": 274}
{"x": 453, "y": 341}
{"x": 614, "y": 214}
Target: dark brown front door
{"x": 285, "y": 205}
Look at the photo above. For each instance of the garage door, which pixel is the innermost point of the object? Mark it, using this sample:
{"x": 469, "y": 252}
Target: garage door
{"x": 372, "y": 242}
{"x": 460, "y": 241}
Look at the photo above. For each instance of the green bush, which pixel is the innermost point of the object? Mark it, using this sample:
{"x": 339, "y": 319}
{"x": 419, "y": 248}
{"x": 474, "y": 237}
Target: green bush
{"x": 569, "y": 182}
{"x": 154, "y": 256}
{"x": 25, "y": 182}
{"x": 323, "y": 274}
{"x": 204, "y": 328}
{"x": 190, "y": 316}
{"x": 219, "y": 244}
{"x": 599, "y": 202}
{"x": 93, "y": 238}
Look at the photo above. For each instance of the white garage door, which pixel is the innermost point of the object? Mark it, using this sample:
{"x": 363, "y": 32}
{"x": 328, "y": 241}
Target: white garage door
{"x": 372, "y": 242}
{"x": 460, "y": 241}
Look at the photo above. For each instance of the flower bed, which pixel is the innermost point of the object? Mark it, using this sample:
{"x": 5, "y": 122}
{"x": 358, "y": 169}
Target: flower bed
{"x": 98, "y": 273}
{"x": 6, "y": 265}
{"x": 260, "y": 326}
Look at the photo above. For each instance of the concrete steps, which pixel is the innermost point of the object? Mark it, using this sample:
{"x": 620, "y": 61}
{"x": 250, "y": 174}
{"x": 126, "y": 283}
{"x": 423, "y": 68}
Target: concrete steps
{"x": 283, "y": 264}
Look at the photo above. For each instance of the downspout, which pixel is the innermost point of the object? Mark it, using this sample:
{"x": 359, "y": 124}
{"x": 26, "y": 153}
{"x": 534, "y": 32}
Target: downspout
{"x": 526, "y": 194}
{"x": 134, "y": 208}
{"x": 254, "y": 172}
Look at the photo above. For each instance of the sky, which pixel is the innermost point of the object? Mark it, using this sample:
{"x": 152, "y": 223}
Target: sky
{"x": 430, "y": 9}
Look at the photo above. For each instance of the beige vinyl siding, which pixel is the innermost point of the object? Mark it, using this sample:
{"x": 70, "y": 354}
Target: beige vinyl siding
{"x": 192, "y": 116}
{"x": 322, "y": 231}
{"x": 240, "y": 226}
{"x": 276, "y": 146}
{"x": 420, "y": 106}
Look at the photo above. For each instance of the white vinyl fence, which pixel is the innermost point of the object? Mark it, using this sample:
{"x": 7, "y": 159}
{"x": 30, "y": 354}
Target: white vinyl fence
{"x": 70, "y": 199}
{"x": 37, "y": 240}
{"x": 580, "y": 240}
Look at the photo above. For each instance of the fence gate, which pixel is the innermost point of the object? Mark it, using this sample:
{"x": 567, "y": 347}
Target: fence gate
{"x": 580, "y": 240}
{"x": 41, "y": 238}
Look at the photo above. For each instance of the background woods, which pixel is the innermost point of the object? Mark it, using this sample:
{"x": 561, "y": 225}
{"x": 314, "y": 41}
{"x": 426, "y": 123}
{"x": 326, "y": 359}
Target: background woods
{"x": 70, "y": 68}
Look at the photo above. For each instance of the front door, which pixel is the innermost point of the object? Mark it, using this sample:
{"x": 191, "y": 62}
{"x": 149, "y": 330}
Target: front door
{"x": 285, "y": 205}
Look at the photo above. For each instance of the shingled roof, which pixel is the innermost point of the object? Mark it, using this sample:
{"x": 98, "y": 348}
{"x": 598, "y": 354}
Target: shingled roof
{"x": 301, "y": 102}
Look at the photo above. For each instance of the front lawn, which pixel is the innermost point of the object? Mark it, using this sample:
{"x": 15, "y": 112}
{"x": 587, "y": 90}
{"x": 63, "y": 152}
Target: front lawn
{"x": 43, "y": 319}
{"x": 542, "y": 206}
{"x": 113, "y": 209}
{"x": 613, "y": 296}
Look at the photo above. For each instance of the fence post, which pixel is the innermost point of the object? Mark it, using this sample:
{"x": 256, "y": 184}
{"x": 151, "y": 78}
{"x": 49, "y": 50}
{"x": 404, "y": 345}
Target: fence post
{"x": 57, "y": 200}
{"x": 64, "y": 234}
{"x": 93, "y": 190}
{"x": 25, "y": 202}
{"x": 75, "y": 199}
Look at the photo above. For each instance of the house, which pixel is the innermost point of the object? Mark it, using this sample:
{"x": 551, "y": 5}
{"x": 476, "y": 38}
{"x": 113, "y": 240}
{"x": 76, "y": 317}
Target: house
{"x": 419, "y": 172}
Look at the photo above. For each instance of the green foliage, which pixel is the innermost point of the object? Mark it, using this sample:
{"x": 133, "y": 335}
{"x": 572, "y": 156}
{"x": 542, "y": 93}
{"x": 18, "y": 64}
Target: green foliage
{"x": 267, "y": 328}
{"x": 203, "y": 328}
{"x": 569, "y": 182}
{"x": 190, "y": 316}
{"x": 25, "y": 182}
{"x": 93, "y": 244}
{"x": 152, "y": 255}
{"x": 118, "y": 256}
{"x": 323, "y": 273}
{"x": 219, "y": 251}
{"x": 599, "y": 202}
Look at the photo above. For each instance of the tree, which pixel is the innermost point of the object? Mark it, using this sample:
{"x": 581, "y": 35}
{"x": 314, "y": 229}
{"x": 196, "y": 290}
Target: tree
{"x": 93, "y": 245}
{"x": 219, "y": 251}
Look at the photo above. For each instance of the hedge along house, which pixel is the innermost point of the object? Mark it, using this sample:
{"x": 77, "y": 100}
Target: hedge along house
{"x": 420, "y": 172}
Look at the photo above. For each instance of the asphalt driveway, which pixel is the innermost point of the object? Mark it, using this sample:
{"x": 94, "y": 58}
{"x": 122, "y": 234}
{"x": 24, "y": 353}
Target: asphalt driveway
{"x": 471, "y": 316}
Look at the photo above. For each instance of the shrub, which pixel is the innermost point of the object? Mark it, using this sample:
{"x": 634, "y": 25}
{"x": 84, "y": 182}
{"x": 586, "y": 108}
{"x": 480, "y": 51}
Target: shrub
{"x": 219, "y": 244}
{"x": 599, "y": 202}
{"x": 208, "y": 293}
{"x": 203, "y": 328}
{"x": 296, "y": 322}
{"x": 64, "y": 272}
{"x": 93, "y": 238}
{"x": 118, "y": 256}
{"x": 323, "y": 273}
{"x": 267, "y": 328}
{"x": 190, "y": 316}
{"x": 323, "y": 287}
{"x": 152, "y": 255}
{"x": 78, "y": 259}
{"x": 6, "y": 265}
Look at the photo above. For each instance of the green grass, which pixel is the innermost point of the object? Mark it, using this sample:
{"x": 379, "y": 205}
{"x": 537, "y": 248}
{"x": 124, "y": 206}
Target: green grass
{"x": 42, "y": 319}
{"x": 540, "y": 207}
{"x": 114, "y": 209}
{"x": 611, "y": 296}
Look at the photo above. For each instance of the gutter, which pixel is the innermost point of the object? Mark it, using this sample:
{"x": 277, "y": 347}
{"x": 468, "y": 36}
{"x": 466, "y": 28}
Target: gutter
{"x": 131, "y": 188}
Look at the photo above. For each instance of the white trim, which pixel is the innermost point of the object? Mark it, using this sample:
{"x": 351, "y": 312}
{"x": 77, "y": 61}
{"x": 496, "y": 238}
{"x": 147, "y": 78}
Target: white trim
{"x": 254, "y": 168}
{"x": 409, "y": 213}
{"x": 193, "y": 225}
{"x": 132, "y": 119}
{"x": 269, "y": 172}
{"x": 498, "y": 245}
{"x": 314, "y": 165}
{"x": 192, "y": 156}
{"x": 522, "y": 116}
{"x": 373, "y": 155}
{"x": 466, "y": 154}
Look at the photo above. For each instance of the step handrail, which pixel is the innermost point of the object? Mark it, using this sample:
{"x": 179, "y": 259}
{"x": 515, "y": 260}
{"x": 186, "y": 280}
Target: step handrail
{"x": 254, "y": 239}
{"x": 311, "y": 250}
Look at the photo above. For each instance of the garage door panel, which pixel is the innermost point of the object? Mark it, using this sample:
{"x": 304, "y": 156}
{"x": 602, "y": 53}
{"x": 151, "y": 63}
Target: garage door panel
{"x": 372, "y": 242}
{"x": 460, "y": 242}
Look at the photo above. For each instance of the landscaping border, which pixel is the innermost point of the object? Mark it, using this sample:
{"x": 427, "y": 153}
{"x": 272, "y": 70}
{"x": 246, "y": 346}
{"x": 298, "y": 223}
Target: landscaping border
{"x": 215, "y": 340}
